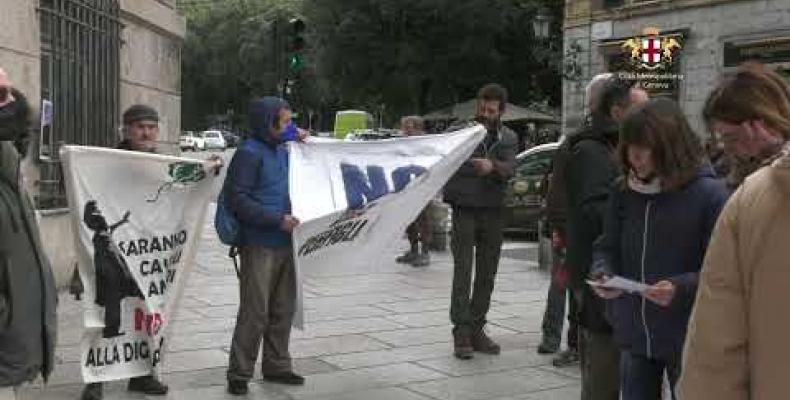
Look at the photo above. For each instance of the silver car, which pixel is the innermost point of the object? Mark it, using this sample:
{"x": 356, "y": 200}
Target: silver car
{"x": 214, "y": 140}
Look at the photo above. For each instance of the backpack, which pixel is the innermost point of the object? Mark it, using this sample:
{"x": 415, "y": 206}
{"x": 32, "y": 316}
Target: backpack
{"x": 226, "y": 224}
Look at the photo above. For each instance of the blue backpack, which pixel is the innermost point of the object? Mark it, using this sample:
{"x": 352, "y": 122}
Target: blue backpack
{"x": 227, "y": 226}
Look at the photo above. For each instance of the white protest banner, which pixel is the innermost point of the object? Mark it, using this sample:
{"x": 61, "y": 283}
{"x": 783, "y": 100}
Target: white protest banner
{"x": 355, "y": 199}
{"x": 137, "y": 220}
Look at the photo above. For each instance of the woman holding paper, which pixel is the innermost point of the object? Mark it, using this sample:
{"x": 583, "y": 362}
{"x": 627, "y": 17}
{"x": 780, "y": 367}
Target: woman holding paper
{"x": 660, "y": 217}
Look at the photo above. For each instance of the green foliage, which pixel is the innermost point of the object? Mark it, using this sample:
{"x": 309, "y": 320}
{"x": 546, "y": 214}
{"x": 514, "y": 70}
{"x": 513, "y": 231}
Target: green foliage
{"x": 417, "y": 55}
{"x": 412, "y": 56}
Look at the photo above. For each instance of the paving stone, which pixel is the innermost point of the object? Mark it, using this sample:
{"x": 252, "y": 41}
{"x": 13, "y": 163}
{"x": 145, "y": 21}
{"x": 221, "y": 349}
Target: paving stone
{"x": 335, "y": 313}
{"x": 352, "y": 300}
{"x": 414, "y": 306}
{"x": 334, "y": 345}
{"x": 344, "y": 327}
{"x": 571, "y": 392}
{"x": 196, "y": 379}
{"x": 194, "y": 360}
{"x": 360, "y": 379}
{"x": 257, "y": 391}
{"x": 433, "y": 318}
{"x": 389, "y": 356}
{"x": 483, "y": 363}
{"x": 520, "y": 324}
{"x": 392, "y": 393}
{"x": 488, "y": 386}
{"x": 416, "y": 336}
{"x": 199, "y": 341}
{"x": 203, "y": 325}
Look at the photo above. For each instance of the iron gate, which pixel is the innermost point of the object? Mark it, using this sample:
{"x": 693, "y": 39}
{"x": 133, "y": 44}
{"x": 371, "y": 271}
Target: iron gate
{"x": 80, "y": 76}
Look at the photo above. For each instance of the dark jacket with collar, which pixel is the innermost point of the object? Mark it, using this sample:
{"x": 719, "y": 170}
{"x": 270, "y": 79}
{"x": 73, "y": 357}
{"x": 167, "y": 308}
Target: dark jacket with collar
{"x": 590, "y": 171}
{"x": 27, "y": 290}
{"x": 467, "y": 189}
{"x": 654, "y": 237}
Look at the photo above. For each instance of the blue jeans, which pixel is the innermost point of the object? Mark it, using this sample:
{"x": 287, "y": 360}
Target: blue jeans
{"x": 641, "y": 378}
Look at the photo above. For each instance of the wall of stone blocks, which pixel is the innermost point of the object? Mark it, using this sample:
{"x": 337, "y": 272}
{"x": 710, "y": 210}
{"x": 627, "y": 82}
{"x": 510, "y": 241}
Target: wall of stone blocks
{"x": 702, "y": 57}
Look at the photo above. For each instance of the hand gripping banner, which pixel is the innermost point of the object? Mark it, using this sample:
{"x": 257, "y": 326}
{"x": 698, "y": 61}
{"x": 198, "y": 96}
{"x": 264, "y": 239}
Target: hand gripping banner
{"x": 137, "y": 221}
{"x": 355, "y": 199}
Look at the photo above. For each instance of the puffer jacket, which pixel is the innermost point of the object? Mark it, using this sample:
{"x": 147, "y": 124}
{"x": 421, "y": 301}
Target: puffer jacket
{"x": 257, "y": 180}
{"x": 653, "y": 237}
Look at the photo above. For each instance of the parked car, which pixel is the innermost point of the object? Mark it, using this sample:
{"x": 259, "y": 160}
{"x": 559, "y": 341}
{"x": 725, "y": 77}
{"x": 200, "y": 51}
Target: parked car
{"x": 525, "y": 192}
{"x": 191, "y": 141}
{"x": 214, "y": 140}
{"x": 231, "y": 140}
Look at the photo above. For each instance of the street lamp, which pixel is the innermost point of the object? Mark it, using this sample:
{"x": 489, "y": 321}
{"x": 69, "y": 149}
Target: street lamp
{"x": 541, "y": 24}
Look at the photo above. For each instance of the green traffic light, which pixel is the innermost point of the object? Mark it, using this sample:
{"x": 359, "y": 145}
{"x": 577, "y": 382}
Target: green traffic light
{"x": 294, "y": 61}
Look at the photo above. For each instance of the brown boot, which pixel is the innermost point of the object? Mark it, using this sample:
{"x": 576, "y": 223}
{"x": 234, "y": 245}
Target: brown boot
{"x": 482, "y": 343}
{"x": 463, "y": 347}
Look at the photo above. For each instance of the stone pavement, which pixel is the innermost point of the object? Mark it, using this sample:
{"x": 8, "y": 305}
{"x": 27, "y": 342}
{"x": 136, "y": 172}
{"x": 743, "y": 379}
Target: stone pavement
{"x": 381, "y": 334}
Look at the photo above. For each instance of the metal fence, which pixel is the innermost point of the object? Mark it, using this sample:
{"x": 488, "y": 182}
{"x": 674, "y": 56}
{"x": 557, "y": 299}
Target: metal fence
{"x": 80, "y": 76}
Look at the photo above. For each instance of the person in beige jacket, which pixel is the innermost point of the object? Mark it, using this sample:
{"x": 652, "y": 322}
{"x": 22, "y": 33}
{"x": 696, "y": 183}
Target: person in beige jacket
{"x": 736, "y": 347}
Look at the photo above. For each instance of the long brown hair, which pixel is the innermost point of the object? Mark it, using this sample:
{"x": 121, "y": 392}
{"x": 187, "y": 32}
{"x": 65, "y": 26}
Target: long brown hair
{"x": 660, "y": 126}
{"x": 753, "y": 92}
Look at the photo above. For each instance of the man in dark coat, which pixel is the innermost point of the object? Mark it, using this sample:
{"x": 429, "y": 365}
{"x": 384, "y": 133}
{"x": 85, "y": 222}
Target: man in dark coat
{"x": 27, "y": 289}
{"x": 591, "y": 171}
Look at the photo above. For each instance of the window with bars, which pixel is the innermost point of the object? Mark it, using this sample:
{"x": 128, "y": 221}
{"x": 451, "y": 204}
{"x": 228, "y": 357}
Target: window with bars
{"x": 80, "y": 77}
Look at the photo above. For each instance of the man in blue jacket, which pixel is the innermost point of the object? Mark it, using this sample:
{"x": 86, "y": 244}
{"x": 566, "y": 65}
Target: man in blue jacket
{"x": 258, "y": 196}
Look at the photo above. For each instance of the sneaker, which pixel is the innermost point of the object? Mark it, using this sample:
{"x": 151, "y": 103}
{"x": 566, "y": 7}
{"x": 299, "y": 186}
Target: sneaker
{"x": 237, "y": 387}
{"x": 566, "y": 358}
{"x": 421, "y": 260}
{"x": 547, "y": 348}
{"x": 92, "y": 391}
{"x": 286, "y": 378}
{"x": 406, "y": 258}
{"x": 463, "y": 348}
{"x": 147, "y": 385}
{"x": 483, "y": 344}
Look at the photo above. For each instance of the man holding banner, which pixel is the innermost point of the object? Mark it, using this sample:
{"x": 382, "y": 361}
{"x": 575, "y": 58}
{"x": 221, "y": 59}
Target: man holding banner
{"x": 258, "y": 195}
{"x": 140, "y": 131}
{"x": 476, "y": 194}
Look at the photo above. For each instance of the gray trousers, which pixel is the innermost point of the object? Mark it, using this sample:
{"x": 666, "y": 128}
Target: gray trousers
{"x": 476, "y": 245}
{"x": 266, "y": 310}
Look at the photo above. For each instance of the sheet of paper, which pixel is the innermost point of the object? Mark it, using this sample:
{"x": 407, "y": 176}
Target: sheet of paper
{"x": 620, "y": 283}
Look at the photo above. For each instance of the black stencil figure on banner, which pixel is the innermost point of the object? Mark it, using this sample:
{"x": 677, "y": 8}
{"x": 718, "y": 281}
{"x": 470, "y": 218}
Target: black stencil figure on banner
{"x": 114, "y": 280}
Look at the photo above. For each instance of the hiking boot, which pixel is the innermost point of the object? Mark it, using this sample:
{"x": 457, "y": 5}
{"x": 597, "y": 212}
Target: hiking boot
{"x": 92, "y": 391}
{"x": 483, "y": 344}
{"x": 286, "y": 378}
{"x": 463, "y": 348}
{"x": 147, "y": 385}
{"x": 237, "y": 387}
{"x": 566, "y": 358}
{"x": 421, "y": 260}
{"x": 407, "y": 258}
{"x": 548, "y": 348}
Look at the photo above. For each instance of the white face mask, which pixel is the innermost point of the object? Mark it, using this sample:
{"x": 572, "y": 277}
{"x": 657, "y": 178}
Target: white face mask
{"x": 637, "y": 185}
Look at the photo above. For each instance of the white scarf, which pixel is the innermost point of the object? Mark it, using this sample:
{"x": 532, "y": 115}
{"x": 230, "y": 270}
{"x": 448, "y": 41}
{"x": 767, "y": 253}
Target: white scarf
{"x": 652, "y": 187}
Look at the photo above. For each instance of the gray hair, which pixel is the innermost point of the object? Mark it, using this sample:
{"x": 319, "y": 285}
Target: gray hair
{"x": 592, "y": 92}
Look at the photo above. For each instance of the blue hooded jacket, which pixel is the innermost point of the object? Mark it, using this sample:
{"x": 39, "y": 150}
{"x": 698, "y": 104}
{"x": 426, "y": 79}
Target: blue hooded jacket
{"x": 654, "y": 237}
{"x": 257, "y": 189}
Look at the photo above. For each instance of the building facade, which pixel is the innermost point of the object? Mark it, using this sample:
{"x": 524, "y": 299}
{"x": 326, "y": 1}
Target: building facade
{"x": 83, "y": 62}
{"x": 713, "y": 37}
